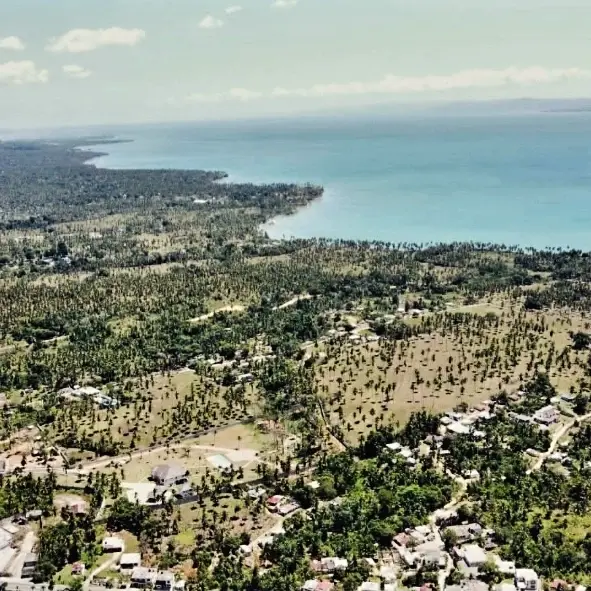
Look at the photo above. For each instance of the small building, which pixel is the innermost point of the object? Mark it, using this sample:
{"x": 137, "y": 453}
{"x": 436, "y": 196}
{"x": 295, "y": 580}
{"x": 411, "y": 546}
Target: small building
{"x": 547, "y": 415}
{"x": 113, "y": 544}
{"x": 34, "y": 515}
{"x": 256, "y": 492}
{"x": 142, "y": 577}
{"x": 395, "y": 446}
{"x": 506, "y": 567}
{"x": 29, "y": 566}
{"x": 78, "y": 568}
{"x": 169, "y": 474}
{"x": 78, "y": 507}
{"x": 526, "y": 579}
{"x": 274, "y": 501}
{"x": 369, "y": 586}
{"x": 287, "y": 508}
{"x": 433, "y": 559}
{"x": 474, "y": 555}
{"x": 464, "y": 533}
{"x": 130, "y": 560}
{"x": 458, "y": 429}
{"x": 330, "y": 565}
{"x": 164, "y": 581}
{"x": 316, "y": 585}
{"x": 505, "y": 587}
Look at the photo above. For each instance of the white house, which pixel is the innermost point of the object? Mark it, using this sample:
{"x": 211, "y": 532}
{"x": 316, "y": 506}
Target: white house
{"x": 169, "y": 474}
{"x": 527, "y": 579}
{"x": 130, "y": 561}
{"x": 113, "y": 544}
{"x": 474, "y": 555}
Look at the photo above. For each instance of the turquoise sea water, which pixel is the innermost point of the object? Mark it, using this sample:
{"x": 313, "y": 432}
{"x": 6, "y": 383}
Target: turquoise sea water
{"x": 520, "y": 179}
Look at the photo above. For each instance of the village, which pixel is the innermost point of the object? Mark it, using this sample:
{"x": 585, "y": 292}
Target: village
{"x": 460, "y": 554}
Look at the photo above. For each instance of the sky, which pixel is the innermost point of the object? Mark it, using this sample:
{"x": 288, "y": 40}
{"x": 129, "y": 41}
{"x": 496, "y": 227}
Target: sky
{"x": 81, "y": 62}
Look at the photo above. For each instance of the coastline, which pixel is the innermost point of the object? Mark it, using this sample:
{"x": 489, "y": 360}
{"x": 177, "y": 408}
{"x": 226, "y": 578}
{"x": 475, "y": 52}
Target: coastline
{"x": 517, "y": 180}
{"x": 225, "y": 177}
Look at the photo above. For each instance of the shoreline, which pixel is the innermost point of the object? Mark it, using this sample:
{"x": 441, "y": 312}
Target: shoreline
{"x": 227, "y": 178}
{"x": 281, "y": 227}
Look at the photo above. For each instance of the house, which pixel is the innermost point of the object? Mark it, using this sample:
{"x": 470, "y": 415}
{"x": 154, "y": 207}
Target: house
{"x": 142, "y": 577}
{"x": 316, "y": 585}
{"x": 395, "y": 446}
{"x": 257, "y": 492}
{"x": 473, "y": 555}
{"x": 78, "y": 507}
{"x": 113, "y": 544}
{"x": 29, "y": 566}
{"x": 169, "y": 474}
{"x": 506, "y": 567}
{"x": 527, "y": 579}
{"x": 78, "y": 568}
{"x": 184, "y": 491}
{"x": 547, "y": 415}
{"x": 330, "y": 565}
{"x": 458, "y": 429}
{"x": 287, "y": 508}
{"x": 274, "y": 501}
{"x": 464, "y": 533}
{"x": 433, "y": 559}
{"x": 130, "y": 560}
{"x": 164, "y": 581}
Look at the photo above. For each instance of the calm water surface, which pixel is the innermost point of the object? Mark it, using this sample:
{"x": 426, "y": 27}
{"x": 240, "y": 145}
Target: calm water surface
{"x": 522, "y": 179}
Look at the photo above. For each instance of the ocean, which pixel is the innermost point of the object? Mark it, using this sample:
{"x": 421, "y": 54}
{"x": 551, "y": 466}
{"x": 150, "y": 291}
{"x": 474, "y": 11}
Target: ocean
{"x": 522, "y": 179}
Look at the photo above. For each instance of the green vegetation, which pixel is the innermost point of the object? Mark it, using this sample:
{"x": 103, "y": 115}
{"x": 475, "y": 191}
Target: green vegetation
{"x": 159, "y": 289}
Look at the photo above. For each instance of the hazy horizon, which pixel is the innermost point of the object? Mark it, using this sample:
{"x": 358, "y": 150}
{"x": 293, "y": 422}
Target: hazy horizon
{"x": 141, "y": 61}
{"x": 484, "y": 107}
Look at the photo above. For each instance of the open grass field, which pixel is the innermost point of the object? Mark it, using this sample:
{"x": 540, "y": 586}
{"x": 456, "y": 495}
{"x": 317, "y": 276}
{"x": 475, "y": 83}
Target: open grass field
{"x": 459, "y": 358}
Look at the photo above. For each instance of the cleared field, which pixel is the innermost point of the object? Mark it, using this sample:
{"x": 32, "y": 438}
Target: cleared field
{"x": 166, "y": 408}
{"x": 459, "y": 357}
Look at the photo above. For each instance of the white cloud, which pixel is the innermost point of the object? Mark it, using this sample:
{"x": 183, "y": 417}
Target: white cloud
{"x": 391, "y": 84}
{"x": 284, "y": 3}
{"x": 233, "y": 9}
{"x": 24, "y": 72}
{"x": 74, "y": 71}
{"x": 483, "y": 78}
{"x": 237, "y": 94}
{"x": 210, "y": 22}
{"x": 13, "y": 43}
{"x": 81, "y": 40}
